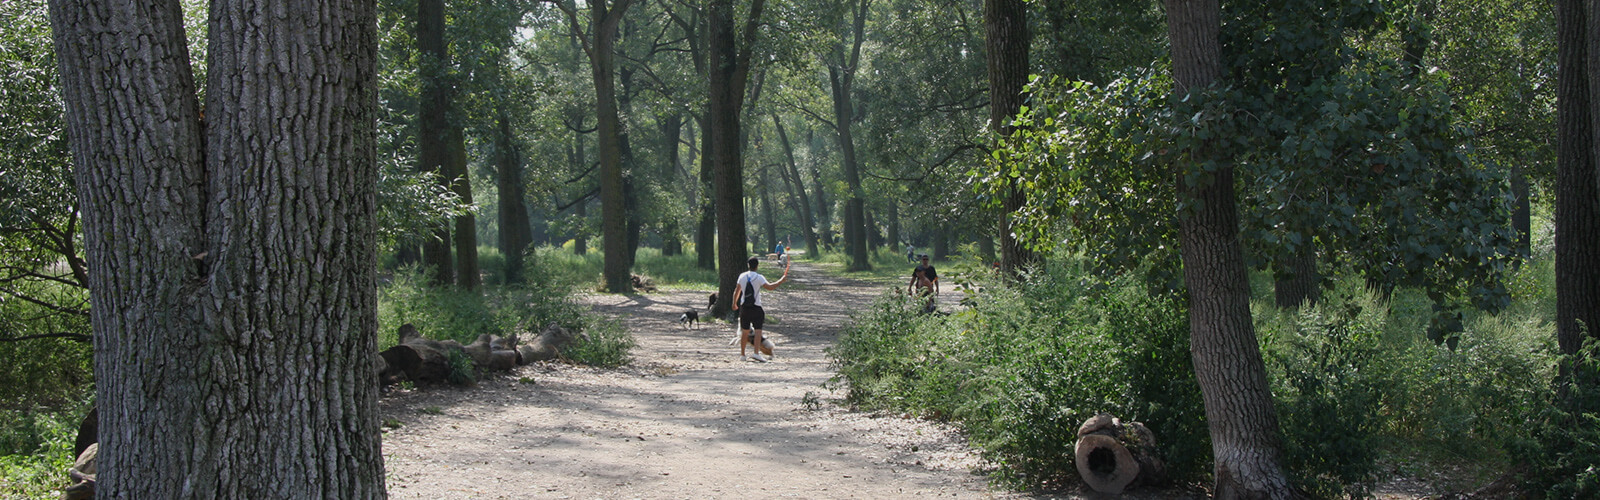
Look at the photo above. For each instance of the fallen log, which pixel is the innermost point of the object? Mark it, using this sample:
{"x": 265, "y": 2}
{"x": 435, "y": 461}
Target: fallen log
{"x": 548, "y": 344}
{"x": 82, "y": 473}
{"x": 1112, "y": 455}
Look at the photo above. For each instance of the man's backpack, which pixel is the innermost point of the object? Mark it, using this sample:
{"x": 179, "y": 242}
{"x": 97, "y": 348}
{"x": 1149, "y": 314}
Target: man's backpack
{"x": 748, "y": 298}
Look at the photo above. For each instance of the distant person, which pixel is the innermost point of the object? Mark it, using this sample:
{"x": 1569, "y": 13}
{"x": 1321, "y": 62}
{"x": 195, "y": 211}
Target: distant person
{"x": 928, "y": 272}
{"x": 921, "y": 286}
{"x": 747, "y": 300}
{"x": 911, "y": 253}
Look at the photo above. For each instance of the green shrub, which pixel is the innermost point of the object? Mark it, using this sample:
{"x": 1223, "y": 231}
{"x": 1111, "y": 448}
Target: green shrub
{"x": 1019, "y": 370}
{"x": 606, "y": 344}
{"x": 36, "y": 450}
{"x": 1323, "y": 362}
{"x": 1562, "y": 452}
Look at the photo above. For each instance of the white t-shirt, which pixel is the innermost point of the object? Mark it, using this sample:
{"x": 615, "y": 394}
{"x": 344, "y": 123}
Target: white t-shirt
{"x": 756, "y": 280}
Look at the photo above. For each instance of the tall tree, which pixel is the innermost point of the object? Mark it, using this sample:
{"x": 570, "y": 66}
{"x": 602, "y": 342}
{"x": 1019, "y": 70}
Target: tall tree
{"x": 601, "y": 47}
{"x": 232, "y": 257}
{"x": 515, "y": 231}
{"x": 433, "y": 128}
{"x": 797, "y": 188}
{"x": 1227, "y": 358}
{"x": 728, "y": 69}
{"x": 1577, "y": 195}
{"x": 843, "y": 59}
{"x": 1006, "y": 40}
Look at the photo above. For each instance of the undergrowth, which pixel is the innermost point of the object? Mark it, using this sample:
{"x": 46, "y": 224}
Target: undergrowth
{"x": 1357, "y": 382}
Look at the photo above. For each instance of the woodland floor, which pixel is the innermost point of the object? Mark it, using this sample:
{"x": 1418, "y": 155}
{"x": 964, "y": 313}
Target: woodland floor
{"x": 689, "y": 419}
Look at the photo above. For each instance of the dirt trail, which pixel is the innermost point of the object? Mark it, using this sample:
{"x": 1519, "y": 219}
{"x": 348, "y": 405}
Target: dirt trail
{"x": 688, "y": 419}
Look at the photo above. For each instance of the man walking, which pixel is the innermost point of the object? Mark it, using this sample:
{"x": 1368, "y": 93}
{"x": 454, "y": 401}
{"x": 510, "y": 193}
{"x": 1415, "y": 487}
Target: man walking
{"x": 747, "y": 300}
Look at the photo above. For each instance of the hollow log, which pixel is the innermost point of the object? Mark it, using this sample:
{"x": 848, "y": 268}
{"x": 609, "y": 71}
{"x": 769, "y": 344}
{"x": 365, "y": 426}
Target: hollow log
{"x": 1105, "y": 464}
{"x": 1111, "y": 455}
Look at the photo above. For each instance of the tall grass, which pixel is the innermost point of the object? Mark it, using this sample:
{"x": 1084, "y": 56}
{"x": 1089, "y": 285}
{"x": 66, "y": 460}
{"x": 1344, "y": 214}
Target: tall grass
{"x": 1356, "y": 380}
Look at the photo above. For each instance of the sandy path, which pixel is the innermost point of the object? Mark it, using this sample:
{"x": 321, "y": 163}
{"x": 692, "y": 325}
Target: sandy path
{"x": 688, "y": 419}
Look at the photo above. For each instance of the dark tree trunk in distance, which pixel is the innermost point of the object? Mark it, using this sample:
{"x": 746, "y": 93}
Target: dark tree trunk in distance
{"x": 671, "y": 128}
{"x": 613, "y": 205}
{"x": 466, "y": 230}
{"x": 515, "y": 231}
{"x": 1297, "y": 281}
{"x": 1522, "y": 214}
{"x": 705, "y": 237}
{"x": 771, "y": 225}
{"x": 234, "y": 285}
{"x": 1227, "y": 358}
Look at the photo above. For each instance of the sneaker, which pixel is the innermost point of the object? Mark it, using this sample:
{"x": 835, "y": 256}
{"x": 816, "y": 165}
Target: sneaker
{"x": 757, "y": 357}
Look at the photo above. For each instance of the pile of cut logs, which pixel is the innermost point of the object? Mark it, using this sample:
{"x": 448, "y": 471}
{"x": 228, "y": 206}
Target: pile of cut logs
{"x": 1112, "y": 454}
{"x": 421, "y": 359}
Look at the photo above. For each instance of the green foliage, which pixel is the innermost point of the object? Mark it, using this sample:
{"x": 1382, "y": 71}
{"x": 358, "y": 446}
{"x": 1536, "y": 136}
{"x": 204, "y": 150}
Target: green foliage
{"x": 1563, "y": 449}
{"x": 606, "y": 344}
{"x": 1355, "y": 379}
{"x": 1021, "y": 369}
{"x": 36, "y": 450}
{"x": 1328, "y": 386}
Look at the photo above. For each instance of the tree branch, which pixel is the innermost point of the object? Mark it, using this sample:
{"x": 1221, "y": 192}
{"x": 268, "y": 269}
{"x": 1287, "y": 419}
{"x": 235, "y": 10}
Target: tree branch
{"x": 58, "y": 335}
{"x": 929, "y": 169}
{"x": 44, "y": 304}
{"x": 580, "y": 199}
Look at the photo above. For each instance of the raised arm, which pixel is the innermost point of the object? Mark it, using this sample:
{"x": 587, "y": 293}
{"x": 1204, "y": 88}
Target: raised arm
{"x": 774, "y": 284}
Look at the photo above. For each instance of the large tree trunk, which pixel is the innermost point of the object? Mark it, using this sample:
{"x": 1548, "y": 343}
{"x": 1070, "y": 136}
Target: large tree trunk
{"x": 797, "y": 190}
{"x": 1577, "y": 196}
{"x": 1227, "y": 359}
{"x": 1006, "y": 40}
{"x": 613, "y": 205}
{"x": 433, "y": 117}
{"x": 515, "y": 231}
{"x": 234, "y": 285}
{"x": 728, "y": 71}
{"x": 580, "y": 234}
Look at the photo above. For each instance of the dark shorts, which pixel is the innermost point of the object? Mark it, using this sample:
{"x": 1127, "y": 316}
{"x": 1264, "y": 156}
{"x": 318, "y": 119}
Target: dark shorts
{"x": 751, "y": 317}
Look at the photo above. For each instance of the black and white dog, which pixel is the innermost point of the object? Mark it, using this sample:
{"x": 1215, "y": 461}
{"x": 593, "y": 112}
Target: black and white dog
{"x": 691, "y": 318}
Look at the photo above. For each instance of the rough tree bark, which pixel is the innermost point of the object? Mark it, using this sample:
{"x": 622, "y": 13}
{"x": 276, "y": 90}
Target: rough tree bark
{"x": 233, "y": 258}
{"x": 841, "y": 79}
{"x": 1227, "y": 360}
{"x": 1577, "y": 237}
{"x": 1006, "y": 40}
{"x": 705, "y": 236}
{"x": 728, "y": 70}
